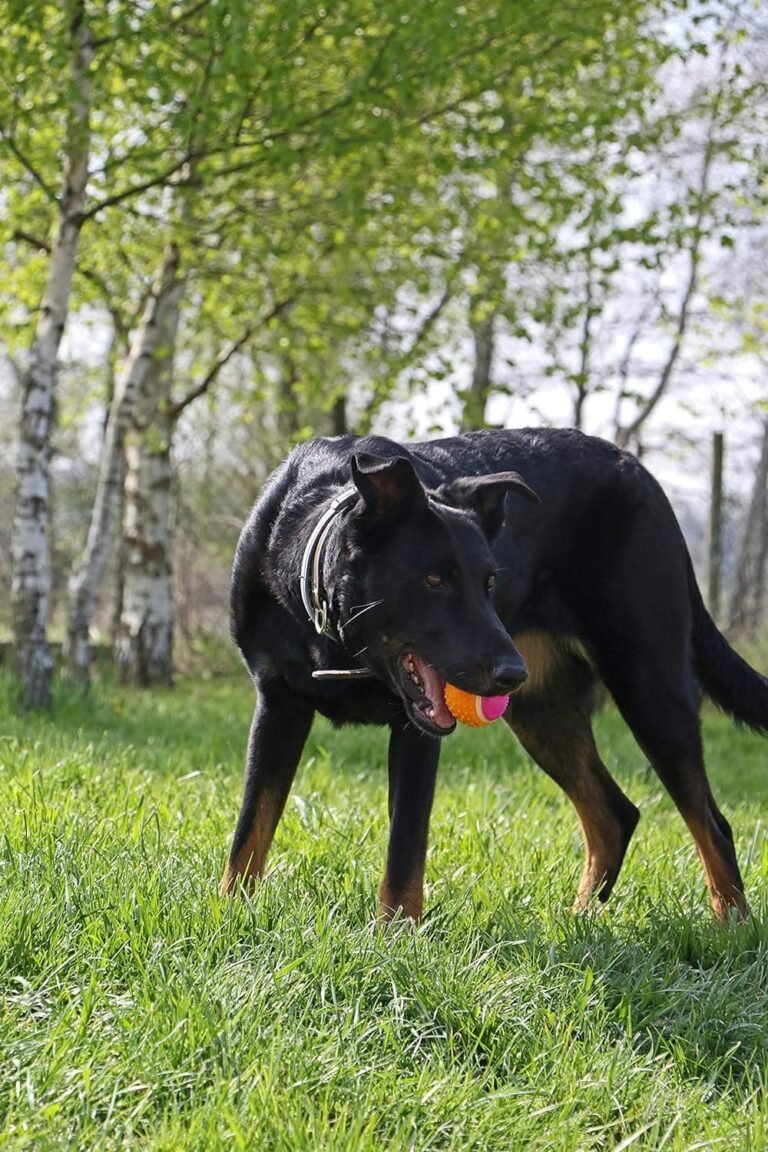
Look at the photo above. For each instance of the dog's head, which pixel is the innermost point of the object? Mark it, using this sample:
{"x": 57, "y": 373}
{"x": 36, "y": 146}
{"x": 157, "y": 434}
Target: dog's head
{"x": 413, "y": 590}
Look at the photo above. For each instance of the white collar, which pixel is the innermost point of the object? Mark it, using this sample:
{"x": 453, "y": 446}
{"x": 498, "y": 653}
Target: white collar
{"x": 309, "y": 580}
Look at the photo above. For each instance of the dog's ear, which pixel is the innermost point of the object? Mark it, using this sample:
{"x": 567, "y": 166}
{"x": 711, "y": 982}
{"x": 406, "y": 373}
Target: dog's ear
{"x": 485, "y": 495}
{"x": 387, "y": 484}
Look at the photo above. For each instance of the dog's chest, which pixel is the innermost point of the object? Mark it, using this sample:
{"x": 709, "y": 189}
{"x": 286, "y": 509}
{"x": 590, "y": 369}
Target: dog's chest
{"x": 365, "y": 703}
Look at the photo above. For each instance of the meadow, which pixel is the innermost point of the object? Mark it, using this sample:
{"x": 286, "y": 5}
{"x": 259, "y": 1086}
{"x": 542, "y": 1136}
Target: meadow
{"x": 141, "y": 1010}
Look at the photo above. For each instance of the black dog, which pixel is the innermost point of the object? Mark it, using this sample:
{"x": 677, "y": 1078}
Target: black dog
{"x": 370, "y": 573}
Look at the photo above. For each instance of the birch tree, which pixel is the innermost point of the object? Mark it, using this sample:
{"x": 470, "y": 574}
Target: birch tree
{"x": 483, "y": 322}
{"x": 607, "y": 311}
{"x": 143, "y": 644}
{"x": 29, "y": 545}
{"x": 704, "y": 220}
{"x": 144, "y": 635}
{"x": 58, "y": 45}
{"x": 86, "y": 578}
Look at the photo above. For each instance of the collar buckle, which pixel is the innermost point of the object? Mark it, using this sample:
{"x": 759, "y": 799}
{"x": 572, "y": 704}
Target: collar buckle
{"x": 319, "y": 618}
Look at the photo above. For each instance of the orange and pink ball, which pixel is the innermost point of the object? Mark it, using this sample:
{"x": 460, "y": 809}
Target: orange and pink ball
{"x": 475, "y": 711}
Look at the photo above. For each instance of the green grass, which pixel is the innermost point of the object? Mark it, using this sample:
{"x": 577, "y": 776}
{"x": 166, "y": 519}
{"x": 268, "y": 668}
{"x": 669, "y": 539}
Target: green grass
{"x": 139, "y": 1010}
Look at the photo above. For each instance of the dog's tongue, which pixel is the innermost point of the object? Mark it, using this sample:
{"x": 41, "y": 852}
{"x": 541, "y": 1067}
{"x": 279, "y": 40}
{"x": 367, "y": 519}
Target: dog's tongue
{"x": 434, "y": 690}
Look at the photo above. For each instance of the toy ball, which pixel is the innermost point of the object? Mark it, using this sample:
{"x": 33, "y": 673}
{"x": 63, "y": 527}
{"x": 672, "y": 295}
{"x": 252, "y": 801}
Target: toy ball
{"x": 475, "y": 711}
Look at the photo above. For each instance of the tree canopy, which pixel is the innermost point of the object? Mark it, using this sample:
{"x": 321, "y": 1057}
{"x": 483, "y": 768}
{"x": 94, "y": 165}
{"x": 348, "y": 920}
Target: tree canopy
{"x": 355, "y": 194}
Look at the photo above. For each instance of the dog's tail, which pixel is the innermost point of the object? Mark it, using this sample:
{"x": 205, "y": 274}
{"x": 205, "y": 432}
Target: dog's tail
{"x": 725, "y": 677}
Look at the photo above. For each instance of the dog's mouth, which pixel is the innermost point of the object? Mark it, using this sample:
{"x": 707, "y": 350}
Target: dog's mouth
{"x": 424, "y": 692}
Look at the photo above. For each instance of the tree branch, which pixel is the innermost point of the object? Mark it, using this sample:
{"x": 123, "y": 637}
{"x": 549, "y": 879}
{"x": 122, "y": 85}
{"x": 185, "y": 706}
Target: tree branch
{"x": 428, "y": 323}
{"x": 27, "y": 164}
{"x": 223, "y": 359}
{"x": 188, "y": 13}
{"x": 581, "y": 379}
{"x": 625, "y": 365}
{"x": 162, "y": 178}
{"x": 624, "y": 435}
{"x": 95, "y": 278}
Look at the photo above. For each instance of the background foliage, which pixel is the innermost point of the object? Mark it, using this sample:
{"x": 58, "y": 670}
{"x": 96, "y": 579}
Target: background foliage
{"x": 386, "y": 222}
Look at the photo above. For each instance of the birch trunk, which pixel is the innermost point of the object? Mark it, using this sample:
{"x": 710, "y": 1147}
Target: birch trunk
{"x": 144, "y": 644}
{"x": 30, "y": 588}
{"x": 477, "y": 395}
{"x": 86, "y": 580}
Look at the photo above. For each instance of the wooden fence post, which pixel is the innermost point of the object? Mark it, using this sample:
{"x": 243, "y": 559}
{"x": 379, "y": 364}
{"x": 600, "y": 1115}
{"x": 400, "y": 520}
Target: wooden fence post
{"x": 716, "y": 528}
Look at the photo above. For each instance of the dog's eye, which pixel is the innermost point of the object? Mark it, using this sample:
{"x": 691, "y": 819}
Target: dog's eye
{"x": 433, "y": 580}
{"x": 490, "y": 583}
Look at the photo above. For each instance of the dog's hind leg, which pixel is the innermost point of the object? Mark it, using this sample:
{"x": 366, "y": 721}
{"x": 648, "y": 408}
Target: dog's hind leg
{"x": 280, "y": 726}
{"x": 413, "y": 760}
{"x": 634, "y": 601}
{"x": 552, "y": 720}
{"x": 662, "y": 711}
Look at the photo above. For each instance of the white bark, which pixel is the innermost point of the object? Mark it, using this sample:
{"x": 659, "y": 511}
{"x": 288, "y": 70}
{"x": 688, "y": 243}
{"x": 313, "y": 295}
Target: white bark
{"x": 86, "y": 580}
{"x": 478, "y": 394}
{"x": 29, "y": 544}
{"x": 144, "y": 644}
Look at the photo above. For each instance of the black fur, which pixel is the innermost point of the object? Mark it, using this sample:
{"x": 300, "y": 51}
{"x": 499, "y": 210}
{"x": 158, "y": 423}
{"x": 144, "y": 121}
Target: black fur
{"x": 465, "y": 553}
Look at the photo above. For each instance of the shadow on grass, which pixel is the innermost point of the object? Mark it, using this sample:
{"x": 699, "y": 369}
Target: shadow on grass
{"x": 670, "y": 982}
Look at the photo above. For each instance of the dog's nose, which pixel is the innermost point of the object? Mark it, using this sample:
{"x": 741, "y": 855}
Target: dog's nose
{"x": 510, "y": 673}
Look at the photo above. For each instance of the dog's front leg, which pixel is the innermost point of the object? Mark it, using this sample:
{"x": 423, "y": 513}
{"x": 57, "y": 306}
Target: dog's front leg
{"x": 280, "y": 726}
{"x": 413, "y": 758}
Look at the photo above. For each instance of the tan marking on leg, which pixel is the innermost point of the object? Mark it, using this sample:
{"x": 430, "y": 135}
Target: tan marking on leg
{"x": 248, "y": 865}
{"x": 604, "y": 846}
{"x": 725, "y": 892}
{"x": 410, "y": 898}
{"x": 571, "y": 759}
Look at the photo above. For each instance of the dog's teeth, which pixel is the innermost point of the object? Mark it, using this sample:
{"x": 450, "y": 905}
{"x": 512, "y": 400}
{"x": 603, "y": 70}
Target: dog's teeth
{"x": 409, "y": 664}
